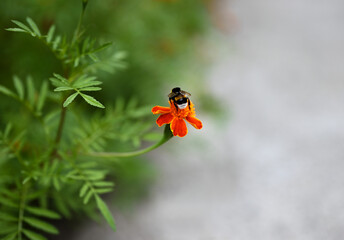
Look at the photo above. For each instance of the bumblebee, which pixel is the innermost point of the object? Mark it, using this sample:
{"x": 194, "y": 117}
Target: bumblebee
{"x": 179, "y": 98}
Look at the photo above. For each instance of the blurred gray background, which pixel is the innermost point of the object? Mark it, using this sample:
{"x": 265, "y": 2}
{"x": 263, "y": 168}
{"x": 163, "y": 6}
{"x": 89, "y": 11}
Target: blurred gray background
{"x": 274, "y": 170}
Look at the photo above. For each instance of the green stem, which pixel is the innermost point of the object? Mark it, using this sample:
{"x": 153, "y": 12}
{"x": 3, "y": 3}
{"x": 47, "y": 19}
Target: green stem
{"x": 167, "y": 136}
{"x": 59, "y": 131}
{"x": 61, "y": 123}
{"x": 64, "y": 109}
{"x": 21, "y": 211}
{"x": 77, "y": 31}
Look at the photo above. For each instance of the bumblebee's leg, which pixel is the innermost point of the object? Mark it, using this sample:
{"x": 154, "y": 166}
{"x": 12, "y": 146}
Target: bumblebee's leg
{"x": 175, "y": 104}
{"x": 189, "y": 104}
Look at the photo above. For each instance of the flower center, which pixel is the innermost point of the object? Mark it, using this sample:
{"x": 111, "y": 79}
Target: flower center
{"x": 182, "y": 110}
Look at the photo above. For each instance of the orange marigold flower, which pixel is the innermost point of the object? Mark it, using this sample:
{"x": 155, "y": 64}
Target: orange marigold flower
{"x": 175, "y": 117}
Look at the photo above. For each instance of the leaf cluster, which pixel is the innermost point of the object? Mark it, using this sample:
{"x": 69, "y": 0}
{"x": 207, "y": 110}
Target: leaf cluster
{"x": 45, "y": 173}
{"x": 18, "y": 217}
{"x": 27, "y": 94}
{"x": 79, "y": 53}
{"x": 80, "y": 85}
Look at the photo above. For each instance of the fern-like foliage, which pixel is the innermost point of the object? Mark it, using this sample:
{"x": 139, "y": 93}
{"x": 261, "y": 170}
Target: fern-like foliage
{"x": 45, "y": 173}
{"x": 121, "y": 123}
{"x": 27, "y": 94}
{"x": 19, "y": 214}
{"x": 80, "y": 85}
{"x": 81, "y": 54}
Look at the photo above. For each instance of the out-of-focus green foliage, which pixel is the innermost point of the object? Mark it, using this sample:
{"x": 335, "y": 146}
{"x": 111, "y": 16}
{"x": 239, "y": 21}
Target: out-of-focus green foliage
{"x": 162, "y": 39}
{"x": 60, "y": 66}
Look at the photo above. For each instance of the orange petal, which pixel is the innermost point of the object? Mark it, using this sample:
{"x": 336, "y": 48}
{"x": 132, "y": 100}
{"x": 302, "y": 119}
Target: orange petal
{"x": 194, "y": 122}
{"x": 178, "y": 127}
{"x": 164, "y": 119}
{"x": 160, "y": 110}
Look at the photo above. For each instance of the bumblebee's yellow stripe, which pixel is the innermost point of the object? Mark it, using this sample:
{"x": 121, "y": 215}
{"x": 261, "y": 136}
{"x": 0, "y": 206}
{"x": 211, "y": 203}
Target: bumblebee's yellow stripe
{"x": 178, "y": 97}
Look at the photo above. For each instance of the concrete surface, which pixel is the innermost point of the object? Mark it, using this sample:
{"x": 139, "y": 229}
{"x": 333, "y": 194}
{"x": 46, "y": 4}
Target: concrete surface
{"x": 275, "y": 171}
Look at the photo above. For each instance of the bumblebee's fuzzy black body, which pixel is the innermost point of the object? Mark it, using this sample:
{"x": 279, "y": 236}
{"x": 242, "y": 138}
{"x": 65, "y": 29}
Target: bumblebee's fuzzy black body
{"x": 180, "y": 98}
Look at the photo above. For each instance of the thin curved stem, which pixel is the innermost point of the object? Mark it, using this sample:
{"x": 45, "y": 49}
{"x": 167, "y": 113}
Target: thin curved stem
{"x": 77, "y": 30}
{"x": 64, "y": 109}
{"x": 59, "y": 131}
{"x": 21, "y": 210}
{"x": 167, "y": 136}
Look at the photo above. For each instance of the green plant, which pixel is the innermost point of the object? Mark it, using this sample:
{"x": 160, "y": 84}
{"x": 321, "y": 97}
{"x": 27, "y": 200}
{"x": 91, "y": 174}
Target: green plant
{"x": 54, "y": 160}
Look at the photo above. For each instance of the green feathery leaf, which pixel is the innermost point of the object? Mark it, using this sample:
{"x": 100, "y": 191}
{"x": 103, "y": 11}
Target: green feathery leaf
{"x": 43, "y": 212}
{"x": 19, "y": 87}
{"x": 11, "y": 236}
{"x": 104, "y": 190}
{"x": 88, "y": 196}
{"x": 50, "y": 33}
{"x": 103, "y": 184}
{"x": 91, "y": 100}
{"x": 6, "y": 91}
{"x": 70, "y": 99}
{"x": 56, "y": 183}
{"x": 30, "y": 91}
{"x": 64, "y": 88}
{"x": 83, "y": 190}
{"x": 57, "y": 83}
{"x": 8, "y": 228}
{"x": 105, "y": 212}
{"x": 8, "y": 202}
{"x": 33, "y": 236}
{"x": 33, "y": 26}
{"x": 7, "y": 217}
{"x": 88, "y": 89}
{"x": 56, "y": 42}
{"x": 23, "y": 26}
{"x": 42, "y": 96}
{"x": 86, "y": 81}
{"x": 39, "y": 224}
{"x": 15, "y": 30}
{"x": 101, "y": 47}
{"x": 62, "y": 79}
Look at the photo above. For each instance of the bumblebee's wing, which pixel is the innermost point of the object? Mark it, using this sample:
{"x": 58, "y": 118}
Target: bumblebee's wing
{"x": 172, "y": 94}
{"x": 185, "y": 93}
